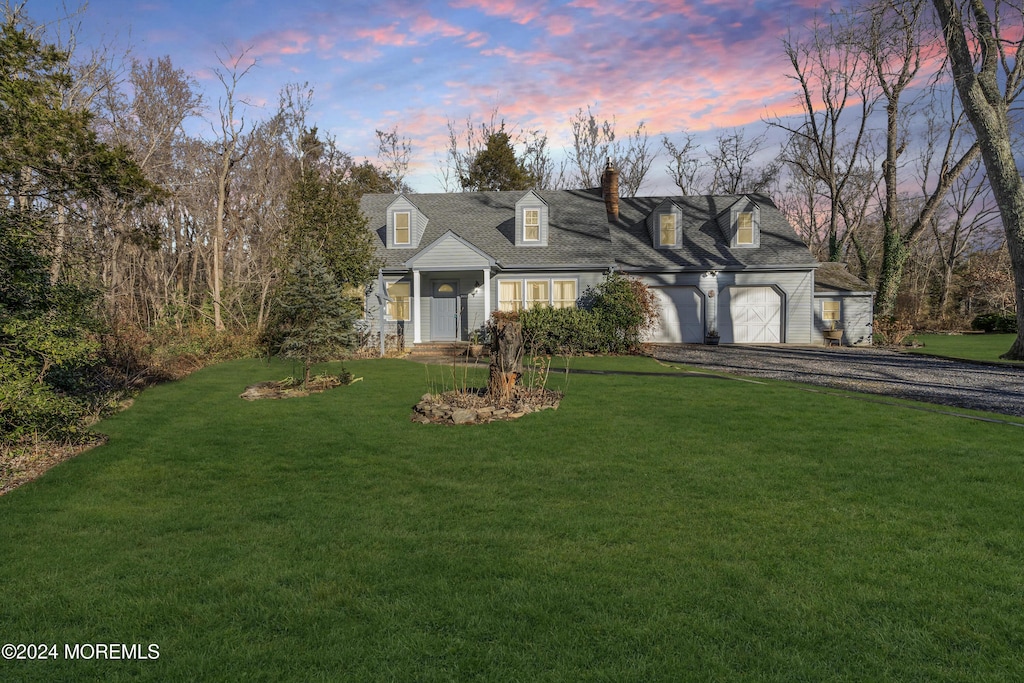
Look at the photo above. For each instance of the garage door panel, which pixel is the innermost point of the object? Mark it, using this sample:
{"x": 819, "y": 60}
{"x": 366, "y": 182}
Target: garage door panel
{"x": 681, "y": 318}
{"x": 756, "y": 314}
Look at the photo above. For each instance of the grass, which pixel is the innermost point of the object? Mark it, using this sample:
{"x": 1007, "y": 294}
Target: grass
{"x": 651, "y": 529}
{"x": 977, "y": 347}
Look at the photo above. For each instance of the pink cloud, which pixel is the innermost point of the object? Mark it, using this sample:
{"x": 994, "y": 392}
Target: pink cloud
{"x": 384, "y": 35}
{"x": 515, "y": 10}
{"x": 431, "y": 25}
{"x": 288, "y": 42}
{"x": 559, "y": 25}
{"x": 476, "y": 39}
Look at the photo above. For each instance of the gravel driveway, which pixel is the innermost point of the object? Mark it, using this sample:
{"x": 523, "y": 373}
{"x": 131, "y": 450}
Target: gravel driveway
{"x": 993, "y": 388}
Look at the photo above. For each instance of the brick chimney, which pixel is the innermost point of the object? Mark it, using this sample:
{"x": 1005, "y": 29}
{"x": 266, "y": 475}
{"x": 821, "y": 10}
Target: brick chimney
{"x": 610, "y": 189}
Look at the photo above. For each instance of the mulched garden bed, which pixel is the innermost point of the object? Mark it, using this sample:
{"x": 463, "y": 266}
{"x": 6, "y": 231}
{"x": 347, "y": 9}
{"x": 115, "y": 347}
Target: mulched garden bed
{"x": 290, "y": 388}
{"x": 22, "y": 464}
{"x": 475, "y": 406}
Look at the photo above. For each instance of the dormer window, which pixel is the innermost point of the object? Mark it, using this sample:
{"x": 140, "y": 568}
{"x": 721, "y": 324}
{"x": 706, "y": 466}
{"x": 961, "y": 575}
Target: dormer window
{"x": 406, "y": 224}
{"x": 741, "y": 224}
{"x": 532, "y": 217}
{"x": 745, "y": 228}
{"x": 402, "y": 227}
{"x": 667, "y": 232}
{"x": 531, "y": 225}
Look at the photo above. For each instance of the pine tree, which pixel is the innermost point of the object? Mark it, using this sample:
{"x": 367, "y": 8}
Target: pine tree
{"x": 496, "y": 167}
{"x": 315, "y": 318}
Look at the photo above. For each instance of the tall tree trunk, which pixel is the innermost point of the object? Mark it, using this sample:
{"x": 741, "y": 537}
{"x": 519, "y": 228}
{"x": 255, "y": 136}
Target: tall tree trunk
{"x": 217, "y": 243}
{"x": 987, "y": 108}
{"x": 506, "y": 367}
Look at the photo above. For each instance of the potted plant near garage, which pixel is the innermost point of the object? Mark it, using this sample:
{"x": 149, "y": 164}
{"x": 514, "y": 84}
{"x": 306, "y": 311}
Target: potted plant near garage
{"x": 833, "y": 334}
{"x": 712, "y": 338}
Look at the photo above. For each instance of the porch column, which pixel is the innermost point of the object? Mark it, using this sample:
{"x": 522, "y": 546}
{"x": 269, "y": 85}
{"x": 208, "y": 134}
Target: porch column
{"x": 487, "y": 294}
{"x": 416, "y": 336}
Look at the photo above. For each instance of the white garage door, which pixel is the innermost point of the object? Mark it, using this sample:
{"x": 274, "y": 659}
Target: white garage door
{"x": 756, "y": 315}
{"x": 681, "y": 318}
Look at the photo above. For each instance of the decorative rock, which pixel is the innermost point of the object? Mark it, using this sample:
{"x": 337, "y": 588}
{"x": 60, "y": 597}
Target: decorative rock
{"x": 473, "y": 407}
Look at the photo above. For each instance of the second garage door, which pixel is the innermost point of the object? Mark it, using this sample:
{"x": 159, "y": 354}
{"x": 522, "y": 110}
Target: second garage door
{"x": 756, "y": 314}
{"x": 681, "y": 316}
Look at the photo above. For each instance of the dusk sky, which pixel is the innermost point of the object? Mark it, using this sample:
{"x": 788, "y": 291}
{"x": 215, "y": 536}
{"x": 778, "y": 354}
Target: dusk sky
{"x": 674, "y": 64}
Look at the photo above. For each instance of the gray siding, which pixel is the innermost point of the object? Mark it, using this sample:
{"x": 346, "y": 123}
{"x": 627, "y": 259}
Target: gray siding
{"x": 796, "y": 290}
{"x": 855, "y": 316}
{"x": 450, "y": 254}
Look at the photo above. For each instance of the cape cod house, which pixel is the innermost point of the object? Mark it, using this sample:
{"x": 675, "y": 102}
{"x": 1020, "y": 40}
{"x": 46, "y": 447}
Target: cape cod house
{"x": 730, "y": 264}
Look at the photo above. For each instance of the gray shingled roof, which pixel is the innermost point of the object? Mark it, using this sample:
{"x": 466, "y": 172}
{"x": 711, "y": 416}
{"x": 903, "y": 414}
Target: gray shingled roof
{"x": 582, "y": 234}
{"x": 830, "y": 277}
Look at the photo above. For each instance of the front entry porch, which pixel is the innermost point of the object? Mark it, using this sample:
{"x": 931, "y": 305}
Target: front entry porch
{"x": 449, "y": 306}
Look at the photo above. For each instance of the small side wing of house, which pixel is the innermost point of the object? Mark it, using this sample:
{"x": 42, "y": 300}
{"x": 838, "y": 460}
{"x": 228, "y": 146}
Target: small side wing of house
{"x": 843, "y": 301}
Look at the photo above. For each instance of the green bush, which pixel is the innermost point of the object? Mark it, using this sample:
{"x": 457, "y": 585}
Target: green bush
{"x": 563, "y": 331}
{"x": 611, "y": 318}
{"x": 999, "y": 323}
{"x": 625, "y": 308}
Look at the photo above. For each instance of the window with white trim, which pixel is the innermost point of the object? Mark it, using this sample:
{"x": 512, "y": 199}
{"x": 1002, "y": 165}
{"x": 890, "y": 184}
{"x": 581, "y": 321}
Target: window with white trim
{"x": 516, "y": 295}
{"x": 668, "y": 230}
{"x": 537, "y": 293}
{"x": 398, "y": 308}
{"x": 510, "y": 295}
{"x": 531, "y": 225}
{"x": 745, "y": 228}
{"x": 831, "y": 311}
{"x": 563, "y": 294}
{"x": 402, "y": 229}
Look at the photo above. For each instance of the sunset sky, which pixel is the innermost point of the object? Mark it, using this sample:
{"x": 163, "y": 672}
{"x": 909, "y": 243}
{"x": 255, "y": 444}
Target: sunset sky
{"x": 675, "y": 64}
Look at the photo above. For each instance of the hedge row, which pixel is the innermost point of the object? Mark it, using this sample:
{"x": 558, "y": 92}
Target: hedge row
{"x": 995, "y": 322}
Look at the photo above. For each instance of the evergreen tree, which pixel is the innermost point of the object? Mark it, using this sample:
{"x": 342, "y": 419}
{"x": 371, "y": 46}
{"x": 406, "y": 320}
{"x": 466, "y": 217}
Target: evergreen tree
{"x": 323, "y": 215}
{"x": 496, "y": 167}
{"x": 315, "y": 320}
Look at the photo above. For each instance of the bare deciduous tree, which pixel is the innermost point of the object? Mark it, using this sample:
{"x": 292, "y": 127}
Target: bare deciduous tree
{"x": 685, "y": 163}
{"x": 231, "y": 149}
{"x": 984, "y": 56}
{"x": 831, "y": 143}
{"x": 394, "y": 153}
{"x": 595, "y": 144}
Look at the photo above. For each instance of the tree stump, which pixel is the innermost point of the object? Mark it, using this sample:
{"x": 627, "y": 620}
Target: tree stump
{"x": 506, "y": 358}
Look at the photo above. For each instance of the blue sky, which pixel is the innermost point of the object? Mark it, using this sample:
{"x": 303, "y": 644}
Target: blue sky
{"x": 675, "y": 64}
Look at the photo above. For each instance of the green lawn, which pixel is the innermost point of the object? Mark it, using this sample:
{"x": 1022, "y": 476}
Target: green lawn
{"x": 983, "y": 347}
{"x": 651, "y": 529}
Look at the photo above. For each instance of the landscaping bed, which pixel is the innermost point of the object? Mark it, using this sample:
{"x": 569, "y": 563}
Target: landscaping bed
{"x": 477, "y": 406}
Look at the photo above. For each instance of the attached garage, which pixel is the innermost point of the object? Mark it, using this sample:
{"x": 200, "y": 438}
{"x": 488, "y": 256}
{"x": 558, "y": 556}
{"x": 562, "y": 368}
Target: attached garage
{"x": 755, "y": 314}
{"x": 680, "y": 315}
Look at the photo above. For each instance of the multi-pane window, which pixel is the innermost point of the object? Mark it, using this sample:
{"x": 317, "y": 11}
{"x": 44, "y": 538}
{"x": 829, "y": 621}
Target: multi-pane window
{"x": 563, "y": 294}
{"x": 745, "y": 228}
{"x": 537, "y": 293}
{"x": 830, "y": 311}
{"x": 398, "y": 308}
{"x": 516, "y": 295}
{"x": 402, "y": 235}
{"x": 668, "y": 230}
{"x": 531, "y": 225}
{"x": 510, "y": 295}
